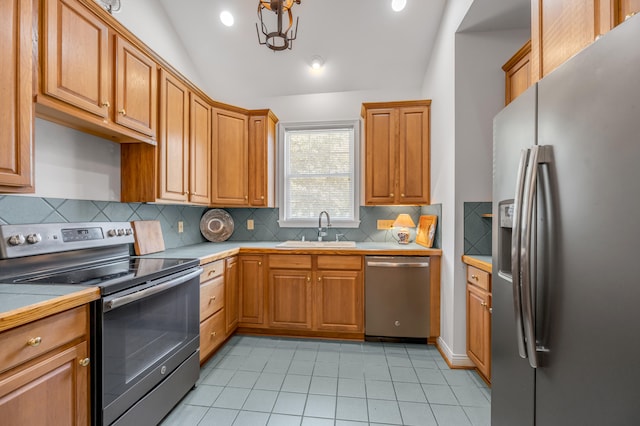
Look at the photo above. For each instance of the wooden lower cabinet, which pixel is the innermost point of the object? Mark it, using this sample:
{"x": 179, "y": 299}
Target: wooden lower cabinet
{"x": 212, "y": 334}
{"x": 231, "y": 293}
{"x": 479, "y": 320}
{"x": 290, "y": 299}
{"x": 317, "y": 294}
{"x": 252, "y": 291}
{"x": 212, "y": 304}
{"x": 46, "y": 383}
{"x": 339, "y": 301}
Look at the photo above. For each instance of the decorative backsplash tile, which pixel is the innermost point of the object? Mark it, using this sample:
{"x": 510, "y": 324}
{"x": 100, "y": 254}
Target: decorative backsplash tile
{"x": 477, "y": 229}
{"x": 16, "y": 209}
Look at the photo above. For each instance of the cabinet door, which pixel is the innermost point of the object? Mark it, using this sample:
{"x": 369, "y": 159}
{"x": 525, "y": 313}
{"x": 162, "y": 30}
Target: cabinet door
{"x": 628, "y": 8}
{"x": 230, "y": 154}
{"x": 231, "y": 293}
{"x": 517, "y": 73}
{"x": 136, "y": 89}
{"x": 75, "y": 63}
{"x": 559, "y": 30}
{"x": 290, "y": 299}
{"x": 413, "y": 149}
{"x": 200, "y": 149}
{"x": 173, "y": 143}
{"x": 16, "y": 117}
{"x": 252, "y": 297}
{"x": 479, "y": 329}
{"x": 53, "y": 391}
{"x": 338, "y": 301}
{"x": 380, "y": 156}
{"x": 262, "y": 133}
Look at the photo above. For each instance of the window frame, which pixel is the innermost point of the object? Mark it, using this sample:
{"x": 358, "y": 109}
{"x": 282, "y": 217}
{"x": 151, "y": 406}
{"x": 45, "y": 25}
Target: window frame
{"x": 283, "y": 128}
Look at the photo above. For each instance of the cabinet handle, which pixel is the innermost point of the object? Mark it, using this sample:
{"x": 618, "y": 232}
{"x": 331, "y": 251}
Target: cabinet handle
{"x": 211, "y": 272}
{"x": 122, "y": 112}
{"x": 319, "y": 279}
{"x": 474, "y": 277}
{"x": 34, "y": 341}
{"x": 308, "y": 279}
{"x": 391, "y": 195}
{"x": 402, "y": 195}
{"x": 259, "y": 263}
{"x": 212, "y": 299}
{"x": 484, "y": 304}
{"x": 106, "y": 104}
{"x": 84, "y": 362}
{"x": 214, "y": 334}
{"x": 246, "y": 197}
{"x": 262, "y": 197}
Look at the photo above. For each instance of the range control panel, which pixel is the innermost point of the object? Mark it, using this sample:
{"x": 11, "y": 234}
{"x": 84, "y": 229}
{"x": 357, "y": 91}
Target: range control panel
{"x": 42, "y": 238}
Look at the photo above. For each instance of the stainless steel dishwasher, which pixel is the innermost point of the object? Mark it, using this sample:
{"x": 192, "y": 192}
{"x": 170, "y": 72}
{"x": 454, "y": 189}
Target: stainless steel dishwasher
{"x": 396, "y": 298}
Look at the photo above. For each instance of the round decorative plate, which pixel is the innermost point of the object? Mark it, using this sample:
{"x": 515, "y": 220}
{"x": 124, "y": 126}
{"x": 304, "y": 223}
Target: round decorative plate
{"x": 216, "y": 225}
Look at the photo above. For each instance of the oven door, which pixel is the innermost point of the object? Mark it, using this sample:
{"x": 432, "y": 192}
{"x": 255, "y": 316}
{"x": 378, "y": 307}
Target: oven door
{"x": 146, "y": 333}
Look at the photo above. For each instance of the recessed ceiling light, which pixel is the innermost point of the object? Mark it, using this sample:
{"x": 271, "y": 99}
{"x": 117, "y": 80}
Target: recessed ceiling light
{"x": 317, "y": 62}
{"x": 227, "y": 18}
{"x": 398, "y": 5}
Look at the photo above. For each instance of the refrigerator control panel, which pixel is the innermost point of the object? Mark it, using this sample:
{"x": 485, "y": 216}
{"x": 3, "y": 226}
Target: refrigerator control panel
{"x": 506, "y": 214}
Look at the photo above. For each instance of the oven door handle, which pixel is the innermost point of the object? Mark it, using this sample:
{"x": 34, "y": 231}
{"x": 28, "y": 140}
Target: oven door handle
{"x": 149, "y": 291}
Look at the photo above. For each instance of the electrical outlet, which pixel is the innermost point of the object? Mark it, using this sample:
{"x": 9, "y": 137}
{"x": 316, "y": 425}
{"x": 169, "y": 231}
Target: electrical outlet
{"x": 385, "y": 224}
{"x": 250, "y": 224}
{"x": 180, "y": 227}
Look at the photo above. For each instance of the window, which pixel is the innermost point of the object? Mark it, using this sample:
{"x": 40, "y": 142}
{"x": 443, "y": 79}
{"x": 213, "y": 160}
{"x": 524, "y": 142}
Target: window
{"x": 319, "y": 171}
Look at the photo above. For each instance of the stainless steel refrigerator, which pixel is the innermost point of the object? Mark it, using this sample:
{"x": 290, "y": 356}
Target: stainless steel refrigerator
{"x": 566, "y": 243}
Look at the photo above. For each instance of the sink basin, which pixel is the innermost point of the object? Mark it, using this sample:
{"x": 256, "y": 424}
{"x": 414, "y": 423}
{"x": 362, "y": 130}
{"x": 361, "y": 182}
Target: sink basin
{"x": 317, "y": 244}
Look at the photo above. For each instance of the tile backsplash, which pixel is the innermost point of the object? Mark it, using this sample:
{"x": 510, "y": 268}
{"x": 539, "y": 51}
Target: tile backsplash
{"x": 477, "y": 229}
{"x": 16, "y": 209}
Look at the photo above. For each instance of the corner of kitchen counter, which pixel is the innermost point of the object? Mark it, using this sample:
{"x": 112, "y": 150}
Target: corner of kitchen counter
{"x": 481, "y": 262}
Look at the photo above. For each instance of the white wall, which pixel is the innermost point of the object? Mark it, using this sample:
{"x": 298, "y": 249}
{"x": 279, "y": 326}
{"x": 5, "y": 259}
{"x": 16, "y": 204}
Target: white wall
{"x": 466, "y": 84}
{"x": 439, "y": 86}
{"x": 327, "y": 106}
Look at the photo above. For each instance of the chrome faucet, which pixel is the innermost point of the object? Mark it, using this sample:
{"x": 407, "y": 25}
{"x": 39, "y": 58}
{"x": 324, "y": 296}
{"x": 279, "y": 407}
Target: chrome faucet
{"x": 322, "y": 233}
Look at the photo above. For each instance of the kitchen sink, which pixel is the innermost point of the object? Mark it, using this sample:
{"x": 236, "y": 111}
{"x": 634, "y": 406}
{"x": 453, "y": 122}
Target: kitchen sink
{"x": 317, "y": 244}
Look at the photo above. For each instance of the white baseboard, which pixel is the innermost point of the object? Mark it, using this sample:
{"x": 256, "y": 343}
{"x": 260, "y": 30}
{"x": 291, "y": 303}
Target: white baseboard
{"x": 454, "y": 360}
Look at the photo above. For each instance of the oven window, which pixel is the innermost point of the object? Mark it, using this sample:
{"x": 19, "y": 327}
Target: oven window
{"x": 140, "y": 336}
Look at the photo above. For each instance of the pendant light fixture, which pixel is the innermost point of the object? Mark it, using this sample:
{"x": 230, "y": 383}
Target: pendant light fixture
{"x": 282, "y": 37}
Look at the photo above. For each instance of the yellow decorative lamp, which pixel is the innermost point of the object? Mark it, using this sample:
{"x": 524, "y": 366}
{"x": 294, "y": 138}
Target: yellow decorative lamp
{"x": 404, "y": 222}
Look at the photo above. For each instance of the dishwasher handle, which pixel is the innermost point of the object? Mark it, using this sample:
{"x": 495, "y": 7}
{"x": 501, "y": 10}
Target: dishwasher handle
{"x": 388, "y": 264}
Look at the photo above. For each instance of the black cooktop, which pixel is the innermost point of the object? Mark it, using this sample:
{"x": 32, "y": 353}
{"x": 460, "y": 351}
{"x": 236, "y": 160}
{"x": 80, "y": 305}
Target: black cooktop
{"x": 114, "y": 275}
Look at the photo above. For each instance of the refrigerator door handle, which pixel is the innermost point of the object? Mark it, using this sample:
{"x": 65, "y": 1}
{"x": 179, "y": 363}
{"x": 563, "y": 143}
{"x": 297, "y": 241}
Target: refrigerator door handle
{"x": 526, "y": 254}
{"x": 515, "y": 251}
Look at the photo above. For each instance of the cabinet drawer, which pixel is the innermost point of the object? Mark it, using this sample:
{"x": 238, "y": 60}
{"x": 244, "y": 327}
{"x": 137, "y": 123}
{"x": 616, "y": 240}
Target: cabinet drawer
{"x": 211, "y": 297}
{"x": 340, "y": 262}
{"x": 290, "y": 261}
{"x": 34, "y": 339}
{"x": 479, "y": 277}
{"x": 212, "y": 270}
{"x": 212, "y": 334}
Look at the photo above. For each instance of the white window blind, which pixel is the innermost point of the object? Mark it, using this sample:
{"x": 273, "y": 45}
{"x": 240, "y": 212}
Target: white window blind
{"x": 319, "y": 172}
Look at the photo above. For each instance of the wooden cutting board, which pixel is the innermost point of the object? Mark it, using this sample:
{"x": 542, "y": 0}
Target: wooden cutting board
{"x": 426, "y": 230}
{"x": 148, "y": 236}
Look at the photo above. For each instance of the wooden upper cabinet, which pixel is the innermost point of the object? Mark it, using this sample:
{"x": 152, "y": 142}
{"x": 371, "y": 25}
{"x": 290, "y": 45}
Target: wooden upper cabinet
{"x": 200, "y": 150}
{"x": 173, "y": 141}
{"x": 262, "y": 143}
{"x": 75, "y": 60}
{"x": 16, "y": 107}
{"x": 397, "y": 165}
{"x": 136, "y": 89}
{"x": 230, "y": 158}
{"x": 561, "y": 28}
{"x": 92, "y": 78}
{"x": 517, "y": 73}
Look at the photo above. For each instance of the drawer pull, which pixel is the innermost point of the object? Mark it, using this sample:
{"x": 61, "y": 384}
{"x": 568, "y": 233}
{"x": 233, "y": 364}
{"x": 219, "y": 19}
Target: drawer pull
{"x": 474, "y": 277}
{"x": 84, "y": 362}
{"x": 211, "y": 272}
{"x": 213, "y": 334}
{"x": 35, "y": 341}
{"x": 122, "y": 112}
{"x": 212, "y": 299}
{"x": 483, "y": 304}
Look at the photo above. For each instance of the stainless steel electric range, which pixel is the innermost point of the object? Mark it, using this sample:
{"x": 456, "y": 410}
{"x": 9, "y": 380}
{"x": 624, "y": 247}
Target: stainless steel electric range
{"x": 145, "y": 327}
